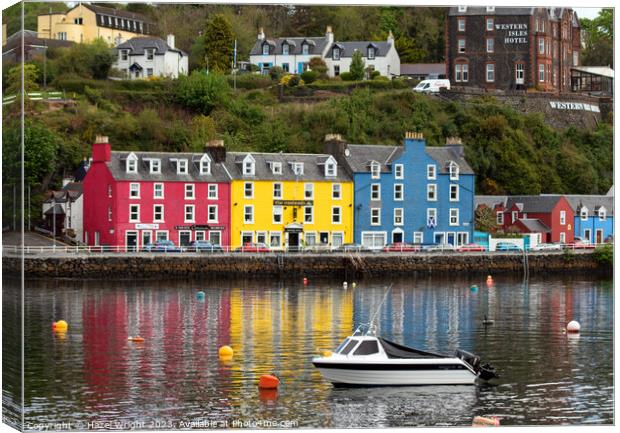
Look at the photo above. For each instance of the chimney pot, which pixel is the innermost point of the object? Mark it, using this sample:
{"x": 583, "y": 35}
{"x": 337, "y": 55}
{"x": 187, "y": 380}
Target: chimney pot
{"x": 101, "y": 139}
{"x": 333, "y": 137}
{"x": 414, "y": 135}
{"x": 170, "y": 40}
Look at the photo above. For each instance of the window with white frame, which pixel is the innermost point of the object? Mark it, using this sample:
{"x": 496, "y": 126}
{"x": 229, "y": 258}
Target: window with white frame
{"x": 500, "y": 218}
{"x": 330, "y": 169}
{"x": 189, "y": 191}
{"x": 431, "y": 172}
{"x": 454, "y": 171}
{"x": 155, "y": 166}
{"x": 205, "y": 165}
{"x": 490, "y": 75}
{"x": 134, "y": 190}
{"x": 375, "y": 170}
{"x": 298, "y": 168}
{"x": 515, "y": 216}
{"x": 461, "y": 45}
{"x": 336, "y": 191}
{"x": 431, "y": 192}
{"x": 399, "y": 194}
{"x": 304, "y": 49}
{"x": 399, "y": 216}
{"x": 371, "y": 53}
{"x": 461, "y": 72}
{"x": 277, "y": 214}
{"x": 149, "y": 53}
{"x": 562, "y": 238}
{"x": 336, "y": 53}
{"x": 461, "y": 24}
{"x": 212, "y": 213}
{"x": 602, "y": 214}
{"x": 336, "y": 215}
{"x": 462, "y": 8}
{"x": 584, "y": 213}
{"x": 562, "y": 217}
{"x": 541, "y": 46}
{"x": 454, "y": 216}
{"x": 249, "y": 166}
{"x": 276, "y": 168}
{"x": 158, "y": 213}
{"x": 375, "y": 216}
{"x": 490, "y": 45}
{"x": 212, "y": 191}
{"x": 541, "y": 73}
{"x": 399, "y": 171}
{"x": 265, "y": 49}
{"x": 418, "y": 237}
{"x": 375, "y": 191}
{"x": 248, "y": 190}
{"x": 490, "y": 8}
{"x": 132, "y": 163}
{"x": 308, "y": 214}
{"x": 490, "y": 24}
{"x": 308, "y": 191}
{"x": 277, "y": 190}
{"x": 182, "y": 166}
{"x": 248, "y": 214}
{"x": 189, "y": 213}
{"x": 431, "y": 217}
{"x": 285, "y": 49}
{"x": 454, "y": 193}
{"x": 134, "y": 213}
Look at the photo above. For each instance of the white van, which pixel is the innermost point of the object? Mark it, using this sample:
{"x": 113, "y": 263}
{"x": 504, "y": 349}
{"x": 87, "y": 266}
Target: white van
{"x": 431, "y": 86}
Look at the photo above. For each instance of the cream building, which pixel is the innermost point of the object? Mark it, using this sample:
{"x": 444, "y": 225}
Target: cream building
{"x": 86, "y": 22}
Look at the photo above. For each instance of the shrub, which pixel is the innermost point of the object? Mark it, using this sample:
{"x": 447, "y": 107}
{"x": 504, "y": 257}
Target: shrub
{"x": 88, "y": 60}
{"x": 250, "y": 81}
{"x": 375, "y": 74}
{"x": 276, "y": 73}
{"x": 202, "y": 92}
{"x": 310, "y": 76}
{"x": 317, "y": 64}
{"x": 346, "y": 76}
{"x": 604, "y": 255}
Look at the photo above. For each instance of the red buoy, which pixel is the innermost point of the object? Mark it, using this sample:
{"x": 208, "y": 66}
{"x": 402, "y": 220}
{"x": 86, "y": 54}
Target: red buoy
{"x": 268, "y": 381}
{"x": 305, "y": 281}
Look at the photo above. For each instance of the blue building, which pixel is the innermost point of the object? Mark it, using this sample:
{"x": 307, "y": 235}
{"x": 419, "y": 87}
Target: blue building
{"x": 410, "y": 193}
{"x": 594, "y": 217}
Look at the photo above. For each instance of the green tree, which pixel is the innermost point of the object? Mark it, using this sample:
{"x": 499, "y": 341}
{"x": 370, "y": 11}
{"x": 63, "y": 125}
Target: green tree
{"x": 15, "y": 79}
{"x": 357, "y": 66}
{"x": 219, "y": 42}
{"x": 88, "y": 60}
{"x": 317, "y": 64}
{"x": 485, "y": 219}
{"x": 202, "y": 92}
{"x": 598, "y": 38}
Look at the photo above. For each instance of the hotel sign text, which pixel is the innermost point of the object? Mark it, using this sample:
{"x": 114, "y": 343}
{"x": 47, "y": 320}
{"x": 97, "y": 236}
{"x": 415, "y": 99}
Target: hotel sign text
{"x": 515, "y": 33}
{"x": 574, "y": 106}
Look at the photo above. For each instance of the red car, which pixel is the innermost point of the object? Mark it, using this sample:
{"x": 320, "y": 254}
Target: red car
{"x": 401, "y": 247}
{"x": 470, "y": 247}
{"x": 254, "y": 248}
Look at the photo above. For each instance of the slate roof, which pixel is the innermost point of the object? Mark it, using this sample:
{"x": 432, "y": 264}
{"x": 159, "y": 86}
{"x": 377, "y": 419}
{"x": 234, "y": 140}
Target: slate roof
{"x": 534, "y": 203}
{"x": 422, "y": 68}
{"x": 116, "y": 12}
{"x": 603, "y": 71}
{"x": 313, "y": 168}
{"x": 477, "y": 10}
{"x": 138, "y": 45}
{"x": 315, "y": 45}
{"x": 489, "y": 201}
{"x": 348, "y": 48}
{"x": 117, "y": 166}
{"x": 611, "y": 191}
{"x": 534, "y": 225}
{"x": 592, "y": 203}
{"x": 443, "y": 156}
{"x": 30, "y": 38}
{"x": 71, "y": 191}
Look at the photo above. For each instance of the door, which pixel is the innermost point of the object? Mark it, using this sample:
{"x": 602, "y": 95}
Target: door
{"x": 440, "y": 238}
{"x": 131, "y": 240}
{"x": 293, "y": 241}
{"x": 520, "y": 74}
{"x": 587, "y": 235}
{"x": 324, "y": 238}
{"x": 397, "y": 237}
{"x": 146, "y": 238}
{"x": 451, "y": 239}
{"x": 185, "y": 238}
{"x": 599, "y": 236}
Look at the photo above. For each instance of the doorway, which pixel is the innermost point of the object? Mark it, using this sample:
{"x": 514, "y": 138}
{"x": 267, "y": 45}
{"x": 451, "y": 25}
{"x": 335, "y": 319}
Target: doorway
{"x": 131, "y": 240}
{"x": 185, "y": 238}
{"x": 599, "y": 236}
{"x": 397, "y": 237}
{"x": 520, "y": 74}
{"x": 293, "y": 241}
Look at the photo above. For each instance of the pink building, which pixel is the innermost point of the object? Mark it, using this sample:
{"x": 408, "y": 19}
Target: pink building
{"x": 135, "y": 198}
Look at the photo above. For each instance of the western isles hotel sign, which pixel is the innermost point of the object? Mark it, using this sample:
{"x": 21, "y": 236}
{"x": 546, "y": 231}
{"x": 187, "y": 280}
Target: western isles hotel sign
{"x": 515, "y": 33}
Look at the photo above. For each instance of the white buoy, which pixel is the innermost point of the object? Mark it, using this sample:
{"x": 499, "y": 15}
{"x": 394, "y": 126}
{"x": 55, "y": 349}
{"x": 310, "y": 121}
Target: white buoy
{"x": 573, "y": 326}
{"x": 353, "y": 285}
{"x": 344, "y": 285}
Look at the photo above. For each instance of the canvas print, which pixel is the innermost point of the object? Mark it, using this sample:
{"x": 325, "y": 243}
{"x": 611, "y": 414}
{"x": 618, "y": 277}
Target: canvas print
{"x": 280, "y": 216}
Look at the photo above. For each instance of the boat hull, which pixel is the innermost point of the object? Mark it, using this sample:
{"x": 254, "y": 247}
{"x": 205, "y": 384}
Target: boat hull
{"x": 395, "y": 374}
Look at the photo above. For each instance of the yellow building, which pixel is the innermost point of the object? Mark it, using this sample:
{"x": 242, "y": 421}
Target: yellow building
{"x": 86, "y": 22}
{"x": 289, "y": 200}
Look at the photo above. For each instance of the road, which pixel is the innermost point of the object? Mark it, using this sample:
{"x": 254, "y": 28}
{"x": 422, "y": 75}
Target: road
{"x": 30, "y": 239}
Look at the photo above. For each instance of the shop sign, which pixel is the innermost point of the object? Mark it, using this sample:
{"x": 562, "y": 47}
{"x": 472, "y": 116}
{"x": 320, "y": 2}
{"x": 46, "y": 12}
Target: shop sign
{"x": 293, "y": 202}
{"x": 577, "y": 106}
{"x": 147, "y": 226}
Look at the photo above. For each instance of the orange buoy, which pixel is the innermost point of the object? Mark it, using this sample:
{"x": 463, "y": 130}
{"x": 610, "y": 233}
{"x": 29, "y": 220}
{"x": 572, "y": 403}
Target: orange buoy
{"x": 267, "y": 394}
{"x": 268, "y": 381}
{"x": 480, "y": 421}
{"x": 136, "y": 339}
{"x": 61, "y": 325}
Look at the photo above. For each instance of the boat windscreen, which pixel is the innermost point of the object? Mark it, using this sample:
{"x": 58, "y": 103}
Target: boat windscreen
{"x": 339, "y": 348}
{"x": 398, "y": 351}
{"x": 349, "y": 347}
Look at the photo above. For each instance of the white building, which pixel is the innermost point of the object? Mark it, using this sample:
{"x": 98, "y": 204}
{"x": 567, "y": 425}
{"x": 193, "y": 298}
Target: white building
{"x": 149, "y": 56}
{"x": 66, "y": 206}
{"x": 291, "y": 54}
{"x": 377, "y": 55}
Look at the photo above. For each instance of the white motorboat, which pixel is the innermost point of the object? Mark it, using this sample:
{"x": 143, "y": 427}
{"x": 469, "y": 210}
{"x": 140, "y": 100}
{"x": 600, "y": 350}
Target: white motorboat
{"x": 367, "y": 360}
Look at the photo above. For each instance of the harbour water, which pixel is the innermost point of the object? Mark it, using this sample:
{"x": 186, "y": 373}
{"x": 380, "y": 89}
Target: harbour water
{"x": 93, "y": 377}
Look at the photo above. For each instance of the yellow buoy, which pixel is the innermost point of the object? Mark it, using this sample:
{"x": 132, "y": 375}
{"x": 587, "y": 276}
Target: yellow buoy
{"x": 225, "y": 352}
{"x": 326, "y": 353}
{"x": 61, "y": 325}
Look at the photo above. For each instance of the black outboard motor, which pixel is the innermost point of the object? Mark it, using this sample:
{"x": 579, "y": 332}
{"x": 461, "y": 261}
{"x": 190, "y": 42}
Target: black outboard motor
{"x": 484, "y": 372}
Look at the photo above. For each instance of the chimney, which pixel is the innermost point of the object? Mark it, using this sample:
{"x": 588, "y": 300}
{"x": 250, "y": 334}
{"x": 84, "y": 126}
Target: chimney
{"x": 414, "y": 142}
{"x": 390, "y": 38}
{"x": 101, "y": 149}
{"x": 216, "y": 150}
{"x": 261, "y": 34}
{"x": 329, "y": 35}
{"x": 170, "y": 40}
{"x": 456, "y": 145}
{"x": 335, "y": 145}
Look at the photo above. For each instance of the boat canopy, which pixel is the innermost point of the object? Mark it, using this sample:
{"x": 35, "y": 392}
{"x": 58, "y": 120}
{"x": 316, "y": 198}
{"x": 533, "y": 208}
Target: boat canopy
{"x": 398, "y": 351}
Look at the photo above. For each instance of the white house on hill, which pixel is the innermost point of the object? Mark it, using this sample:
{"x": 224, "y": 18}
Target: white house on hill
{"x": 149, "y": 56}
{"x": 378, "y": 56}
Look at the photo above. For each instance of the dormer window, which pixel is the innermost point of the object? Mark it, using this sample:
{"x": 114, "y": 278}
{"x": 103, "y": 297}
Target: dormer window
{"x": 490, "y": 8}
{"x": 454, "y": 170}
{"x": 182, "y": 166}
{"x": 371, "y": 53}
{"x": 276, "y": 168}
{"x": 336, "y": 53}
{"x": 305, "y": 50}
{"x": 331, "y": 169}
{"x": 149, "y": 53}
{"x": 249, "y": 166}
{"x": 602, "y": 214}
{"x": 205, "y": 164}
{"x": 285, "y": 49}
{"x": 375, "y": 169}
{"x": 462, "y": 8}
{"x": 265, "y": 49}
{"x": 583, "y": 213}
{"x": 298, "y": 168}
{"x": 155, "y": 166}
{"x": 132, "y": 163}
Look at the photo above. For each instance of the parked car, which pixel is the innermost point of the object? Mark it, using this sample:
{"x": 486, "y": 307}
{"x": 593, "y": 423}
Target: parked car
{"x": 470, "y": 247}
{"x": 352, "y": 248}
{"x": 401, "y": 247}
{"x": 580, "y": 243}
{"x": 203, "y": 246}
{"x": 507, "y": 246}
{"x": 162, "y": 245}
{"x": 546, "y": 247}
{"x": 254, "y": 248}
{"x": 438, "y": 247}
{"x": 431, "y": 86}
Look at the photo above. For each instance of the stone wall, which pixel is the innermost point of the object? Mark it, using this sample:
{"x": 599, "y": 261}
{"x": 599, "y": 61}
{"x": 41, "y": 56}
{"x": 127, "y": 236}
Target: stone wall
{"x": 291, "y": 265}
{"x": 533, "y": 102}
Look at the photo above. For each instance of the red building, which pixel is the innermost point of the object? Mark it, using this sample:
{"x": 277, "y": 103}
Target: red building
{"x": 551, "y": 216}
{"x": 135, "y": 198}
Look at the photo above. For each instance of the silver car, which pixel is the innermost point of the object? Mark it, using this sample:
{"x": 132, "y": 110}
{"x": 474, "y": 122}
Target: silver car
{"x": 546, "y": 247}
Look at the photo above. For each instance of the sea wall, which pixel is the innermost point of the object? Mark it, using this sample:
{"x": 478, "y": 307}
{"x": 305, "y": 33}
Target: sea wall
{"x": 292, "y": 265}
